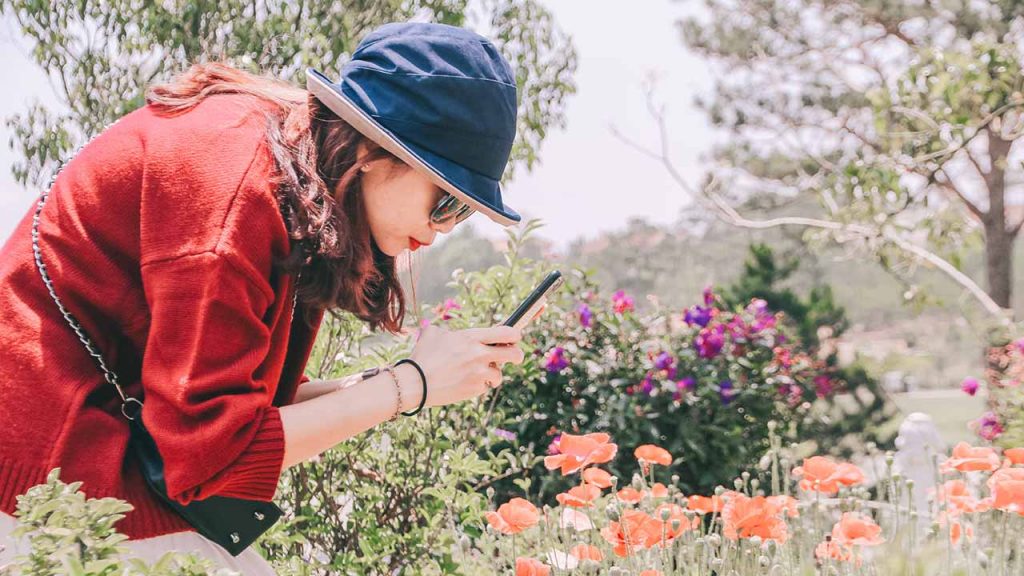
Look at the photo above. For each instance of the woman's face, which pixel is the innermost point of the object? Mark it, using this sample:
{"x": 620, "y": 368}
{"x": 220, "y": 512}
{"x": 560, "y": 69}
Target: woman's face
{"x": 398, "y": 202}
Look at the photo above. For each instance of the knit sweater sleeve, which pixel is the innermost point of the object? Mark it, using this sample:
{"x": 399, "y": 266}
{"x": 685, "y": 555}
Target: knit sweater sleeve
{"x": 206, "y": 273}
{"x": 206, "y": 405}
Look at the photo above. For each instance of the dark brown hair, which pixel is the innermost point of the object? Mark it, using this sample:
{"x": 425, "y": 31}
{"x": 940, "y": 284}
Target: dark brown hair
{"x": 318, "y": 189}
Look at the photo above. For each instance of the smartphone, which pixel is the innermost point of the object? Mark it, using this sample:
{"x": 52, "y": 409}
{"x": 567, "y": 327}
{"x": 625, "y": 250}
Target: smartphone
{"x": 531, "y": 306}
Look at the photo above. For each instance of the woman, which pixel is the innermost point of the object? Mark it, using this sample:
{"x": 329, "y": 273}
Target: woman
{"x": 187, "y": 237}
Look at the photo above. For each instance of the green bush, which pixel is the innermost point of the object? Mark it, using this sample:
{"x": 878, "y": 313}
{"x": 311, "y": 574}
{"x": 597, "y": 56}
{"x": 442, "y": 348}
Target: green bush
{"x": 701, "y": 382}
{"x": 74, "y": 536}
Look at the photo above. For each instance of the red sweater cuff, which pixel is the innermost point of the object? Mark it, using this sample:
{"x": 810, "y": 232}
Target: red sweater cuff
{"x": 255, "y": 474}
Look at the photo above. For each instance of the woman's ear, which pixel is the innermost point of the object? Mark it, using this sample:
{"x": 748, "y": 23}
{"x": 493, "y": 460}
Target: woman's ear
{"x": 361, "y": 151}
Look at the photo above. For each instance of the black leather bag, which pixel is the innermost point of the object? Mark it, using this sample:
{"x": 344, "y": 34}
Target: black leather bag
{"x": 234, "y": 523}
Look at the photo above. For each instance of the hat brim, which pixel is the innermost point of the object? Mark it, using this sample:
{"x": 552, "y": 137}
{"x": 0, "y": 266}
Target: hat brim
{"x": 457, "y": 180}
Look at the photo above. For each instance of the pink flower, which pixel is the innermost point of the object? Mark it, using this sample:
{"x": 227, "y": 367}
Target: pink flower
{"x": 970, "y": 386}
{"x": 622, "y": 303}
{"x": 553, "y": 448}
{"x": 823, "y": 385}
{"x": 444, "y": 309}
{"x": 988, "y": 426}
{"x": 710, "y": 340}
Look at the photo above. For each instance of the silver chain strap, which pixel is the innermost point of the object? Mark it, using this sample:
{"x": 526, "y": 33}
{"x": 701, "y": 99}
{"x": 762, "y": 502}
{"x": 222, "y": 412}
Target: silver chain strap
{"x": 91, "y": 348}
{"x": 108, "y": 374}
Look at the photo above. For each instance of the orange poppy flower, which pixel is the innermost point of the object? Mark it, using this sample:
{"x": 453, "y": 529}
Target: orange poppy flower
{"x": 788, "y": 504}
{"x": 956, "y": 495}
{"x": 629, "y": 495}
{"x": 825, "y": 475}
{"x": 651, "y": 454}
{"x": 579, "y": 496}
{"x": 1014, "y": 455}
{"x": 635, "y": 530}
{"x": 675, "y": 512}
{"x": 746, "y": 517}
{"x": 705, "y": 504}
{"x": 581, "y": 451}
{"x": 651, "y": 573}
{"x": 1007, "y": 486}
{"x": 967, "y": 458}
{"x": 597, "y": 477}
{"x": 856, "y": 530}
{"x": 587, "y": 552}
{"x": 531, "y": 567}
{"x": 513, "y": 516}
{"x": 659, "y": 490}
{"x": 830, "y": 549}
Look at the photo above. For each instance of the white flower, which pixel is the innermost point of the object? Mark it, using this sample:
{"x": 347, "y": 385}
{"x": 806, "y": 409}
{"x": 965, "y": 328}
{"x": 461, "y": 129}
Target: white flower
{"x": 575, "y": 519}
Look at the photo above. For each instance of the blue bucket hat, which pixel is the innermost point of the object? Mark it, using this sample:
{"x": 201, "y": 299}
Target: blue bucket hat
{"x": 438, "y": 97}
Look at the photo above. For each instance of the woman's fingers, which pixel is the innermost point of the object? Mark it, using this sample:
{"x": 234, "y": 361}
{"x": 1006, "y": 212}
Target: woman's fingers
{"x": 495, "y": 334}
{"x": 501, "y": 355}
{"x": 492, "y": 377}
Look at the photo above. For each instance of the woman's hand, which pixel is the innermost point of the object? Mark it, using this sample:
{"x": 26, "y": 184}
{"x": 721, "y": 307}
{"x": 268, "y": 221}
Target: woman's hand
{"x": 459, "y": 364}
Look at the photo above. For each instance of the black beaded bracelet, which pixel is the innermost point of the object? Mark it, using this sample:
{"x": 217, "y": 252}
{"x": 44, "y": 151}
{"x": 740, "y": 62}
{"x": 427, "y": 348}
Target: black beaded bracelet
{"x": 423, "y": 378}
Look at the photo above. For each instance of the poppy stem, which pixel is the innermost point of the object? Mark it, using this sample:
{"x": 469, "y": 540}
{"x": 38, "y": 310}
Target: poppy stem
{"x": 514, "y": 556}
{"x": 1002, "y": 543}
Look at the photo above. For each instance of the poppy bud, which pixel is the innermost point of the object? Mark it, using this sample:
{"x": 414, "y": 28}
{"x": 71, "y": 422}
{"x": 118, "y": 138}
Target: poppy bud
{"x": 665, "y": 515}
{"x": 612, "y": 511}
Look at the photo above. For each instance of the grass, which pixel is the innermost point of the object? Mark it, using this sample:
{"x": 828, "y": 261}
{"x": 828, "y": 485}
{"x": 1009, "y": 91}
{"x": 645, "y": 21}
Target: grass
{"x": 951, "y": 410}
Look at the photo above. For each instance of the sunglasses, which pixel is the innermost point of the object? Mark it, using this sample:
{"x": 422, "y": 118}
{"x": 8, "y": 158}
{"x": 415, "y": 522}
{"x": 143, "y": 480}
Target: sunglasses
{"x": 450, "y": 209}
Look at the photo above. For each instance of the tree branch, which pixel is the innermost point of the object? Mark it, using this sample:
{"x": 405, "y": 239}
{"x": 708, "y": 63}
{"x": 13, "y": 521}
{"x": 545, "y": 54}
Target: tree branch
{"x": 728, "y": 214}
{"x": 952, "y": 187}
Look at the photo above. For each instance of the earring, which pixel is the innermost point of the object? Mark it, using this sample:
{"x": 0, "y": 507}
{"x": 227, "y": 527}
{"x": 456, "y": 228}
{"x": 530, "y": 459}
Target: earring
{"x": 364, "y": 168}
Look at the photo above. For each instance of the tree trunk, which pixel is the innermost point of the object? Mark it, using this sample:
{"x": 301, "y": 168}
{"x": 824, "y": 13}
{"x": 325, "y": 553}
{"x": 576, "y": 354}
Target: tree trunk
{"x": 998, "y": 238}
{"x": 999, "y": 263}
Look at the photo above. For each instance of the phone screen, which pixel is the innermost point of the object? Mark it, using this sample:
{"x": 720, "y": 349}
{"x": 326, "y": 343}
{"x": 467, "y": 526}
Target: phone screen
{"x": 531, "y": 306}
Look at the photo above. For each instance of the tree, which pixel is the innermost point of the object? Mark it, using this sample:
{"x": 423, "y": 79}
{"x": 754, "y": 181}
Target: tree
{"x": 762, "y": 277}
{"x": 898, "y": 117}
{"x": 102, "y": 55}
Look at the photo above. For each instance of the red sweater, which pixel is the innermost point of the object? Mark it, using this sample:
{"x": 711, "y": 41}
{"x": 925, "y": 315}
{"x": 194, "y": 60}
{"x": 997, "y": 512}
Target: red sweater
{"x": 158, "y": 237}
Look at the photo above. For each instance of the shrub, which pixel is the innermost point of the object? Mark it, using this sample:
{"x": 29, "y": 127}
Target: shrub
{"x": 69, "y": 534}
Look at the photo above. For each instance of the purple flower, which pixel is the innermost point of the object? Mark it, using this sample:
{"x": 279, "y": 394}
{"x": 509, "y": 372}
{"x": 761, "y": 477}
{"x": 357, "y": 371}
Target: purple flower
{"x": 647, "y": 386}
{"x": 621, "y": 302}
{"x": 970, "y": 386}
{"x": 709, "y": 341}
{"x": 677, "y": 396}
{"x": 556, "y": 360}
{"x": 664, "y": 361}
{"x": 586, "y": 316}
{"x": 504, "y": 434}
{"x": 988, "y": 426}
{"x": 709, "y": 296}
{"x": 697, "y": 315}
{"x": 726, "y": 391}
{"x": 687, "y": 383}
{"x": 1020, "y": 345}
{"x": 554, "y": 447}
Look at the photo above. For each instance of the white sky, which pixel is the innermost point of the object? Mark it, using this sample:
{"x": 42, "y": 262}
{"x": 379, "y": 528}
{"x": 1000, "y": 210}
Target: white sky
{"x": 588, "y": 180}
